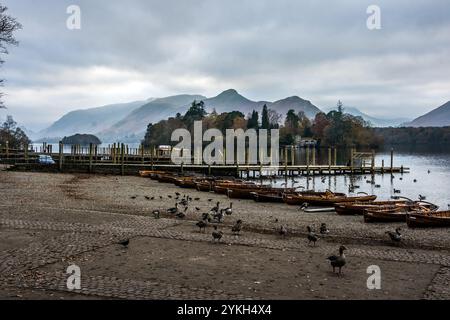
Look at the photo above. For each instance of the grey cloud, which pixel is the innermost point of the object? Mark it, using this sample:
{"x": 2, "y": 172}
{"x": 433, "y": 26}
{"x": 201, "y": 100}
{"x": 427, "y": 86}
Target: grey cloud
{"x": 320, "y": 50}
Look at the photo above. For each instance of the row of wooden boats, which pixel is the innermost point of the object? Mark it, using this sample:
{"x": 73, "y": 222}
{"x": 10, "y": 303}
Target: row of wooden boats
{"x": 415, "y": 213}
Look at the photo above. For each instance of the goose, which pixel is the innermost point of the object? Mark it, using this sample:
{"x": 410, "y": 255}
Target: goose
{"x": 206, "y": 217}
{"x": 395, "y": 236}
{"x": 312, "y": 237}
{"x": 133, "y": 197}
{"x": 324, "y": 229}
{"x": 173, "y": 210}
{"x": 229, "y": 211}
{"x": 236, "y": 229}
{"x": 216, "y": 208}
{"x": 422, "y": 198}
{"x": 217, "y": 235}
{"x": 338, "y": 261}
{"x": 124, "y": 242}
{"x": 197, "y": 199}
{"x": 202, "y": 225}
{"x": 397, "y": 191}
{"x": 429, "y": 171}
{"x": 147, "y": 197}
{"x": 156, "y": 214}
{"x": 303, "y": 206}
{"x": 169, "y": 196}
{"x": 218, "y": 216}
{"x": 152, "y": 198}
{"x": 415, "y": 180}
{"x": 181, "y": 215}
{"x": 378, "y": 186}
{"x": 177, "y": 194}
{"x": 197, "y": 208}
{"x": 282, "y": 231}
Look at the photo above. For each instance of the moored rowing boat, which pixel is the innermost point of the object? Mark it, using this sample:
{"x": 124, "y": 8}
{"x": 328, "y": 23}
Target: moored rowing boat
{"x": 324, "y": 199}
{"x": 423, "y": 219}
{"x": 393, "y": 214}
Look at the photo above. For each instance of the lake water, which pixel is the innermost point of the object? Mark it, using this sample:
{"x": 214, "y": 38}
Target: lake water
{"x": 435, "y": 186}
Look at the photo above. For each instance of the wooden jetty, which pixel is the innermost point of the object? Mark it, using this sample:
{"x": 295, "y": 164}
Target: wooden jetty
{"x": 118, "y": 158}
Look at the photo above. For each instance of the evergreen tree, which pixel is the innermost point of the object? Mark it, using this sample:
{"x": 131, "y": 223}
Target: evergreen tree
{"x": 265, "y": 121}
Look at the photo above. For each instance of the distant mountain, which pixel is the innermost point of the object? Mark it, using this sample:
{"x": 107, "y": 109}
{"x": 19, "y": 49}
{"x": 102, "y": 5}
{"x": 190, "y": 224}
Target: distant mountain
{"x": 376, "y": 122}
{"x": 91, "y": 120}
{"x": 295, "y": 103}
{"x": 128, "y": 122}
{"x": 132, "y": 127}
{"x": 439, "y": 117}
{"x": 231, "y": 100}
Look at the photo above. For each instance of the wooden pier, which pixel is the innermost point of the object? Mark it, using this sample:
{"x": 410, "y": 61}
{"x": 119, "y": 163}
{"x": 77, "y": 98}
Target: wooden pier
{"x": 120, "y": 159}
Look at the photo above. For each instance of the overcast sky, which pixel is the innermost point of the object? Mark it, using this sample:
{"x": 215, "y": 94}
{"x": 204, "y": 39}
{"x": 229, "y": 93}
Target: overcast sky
{"x": 267, "y": 50}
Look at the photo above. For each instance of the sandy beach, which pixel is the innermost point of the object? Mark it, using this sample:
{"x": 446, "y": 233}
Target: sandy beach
{"x": 51, "y": 221}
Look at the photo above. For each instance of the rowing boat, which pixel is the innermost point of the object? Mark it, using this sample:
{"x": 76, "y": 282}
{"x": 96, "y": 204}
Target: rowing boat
{"x": 393, "y": 214}
{"x": 324, "y": 199}
{"x": 423, "y": 219}
{"x": 357, "y": 208}
{"x": 249, "y": 193}
{"x": 277, "y": 196}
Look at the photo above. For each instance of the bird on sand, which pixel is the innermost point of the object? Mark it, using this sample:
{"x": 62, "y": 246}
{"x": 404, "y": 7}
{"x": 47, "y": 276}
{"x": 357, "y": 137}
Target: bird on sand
{"x": 338, "y": 261}
{"x": 124, "y": 242}
{"x": 156, "y": 213}
{"x": 312, "y": 236}
{"x": 173, "y": 210}
{"x": 395, "y": 236}
{"x": 202, "y": 225}
{"x": 282, "y": 231}
{"x": 229, "y": 211}
{"x": 236, "y": 229}
{"x": 216, "y": 234}
{"x": 324, "y": 229}
{"x": 303, "y": 206}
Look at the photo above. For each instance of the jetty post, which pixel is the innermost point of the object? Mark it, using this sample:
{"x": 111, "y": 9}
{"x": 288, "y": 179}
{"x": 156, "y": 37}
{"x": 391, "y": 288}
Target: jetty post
{"x": 307, "y": 160}
{"x": 122, "y": 156}
{"x": 329, "y": 160}
{"x": 292, "y": 156}
{"x": 91, "y": 153}
{"x": 372, "y": 166}
{"x": 285, "y": 162}
{"x": 335, "y": 156}
{"x": 392, "y": 160}
{"x": 61, "y": 155}
{"x": 25, "y": 153}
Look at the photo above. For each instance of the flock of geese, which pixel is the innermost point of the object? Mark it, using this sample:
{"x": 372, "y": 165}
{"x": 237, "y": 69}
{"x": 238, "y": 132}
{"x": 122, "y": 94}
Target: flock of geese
{"x": 216, "y": 215}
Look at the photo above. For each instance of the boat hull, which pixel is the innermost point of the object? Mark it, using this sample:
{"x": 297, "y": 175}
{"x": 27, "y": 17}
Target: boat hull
{"x": 430, "y": 220}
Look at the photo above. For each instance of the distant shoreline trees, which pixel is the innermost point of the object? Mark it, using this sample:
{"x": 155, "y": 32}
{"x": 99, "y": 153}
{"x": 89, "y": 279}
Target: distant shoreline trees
{"x": 333, "y": 129}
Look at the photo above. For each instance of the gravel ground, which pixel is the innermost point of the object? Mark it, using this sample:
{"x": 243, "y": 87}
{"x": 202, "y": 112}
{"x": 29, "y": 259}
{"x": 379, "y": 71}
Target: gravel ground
{"x": 48, "y": 221}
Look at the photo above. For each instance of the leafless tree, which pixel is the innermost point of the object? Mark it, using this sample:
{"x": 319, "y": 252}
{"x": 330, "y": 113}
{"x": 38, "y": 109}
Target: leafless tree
{"x": 8, "y": 25}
